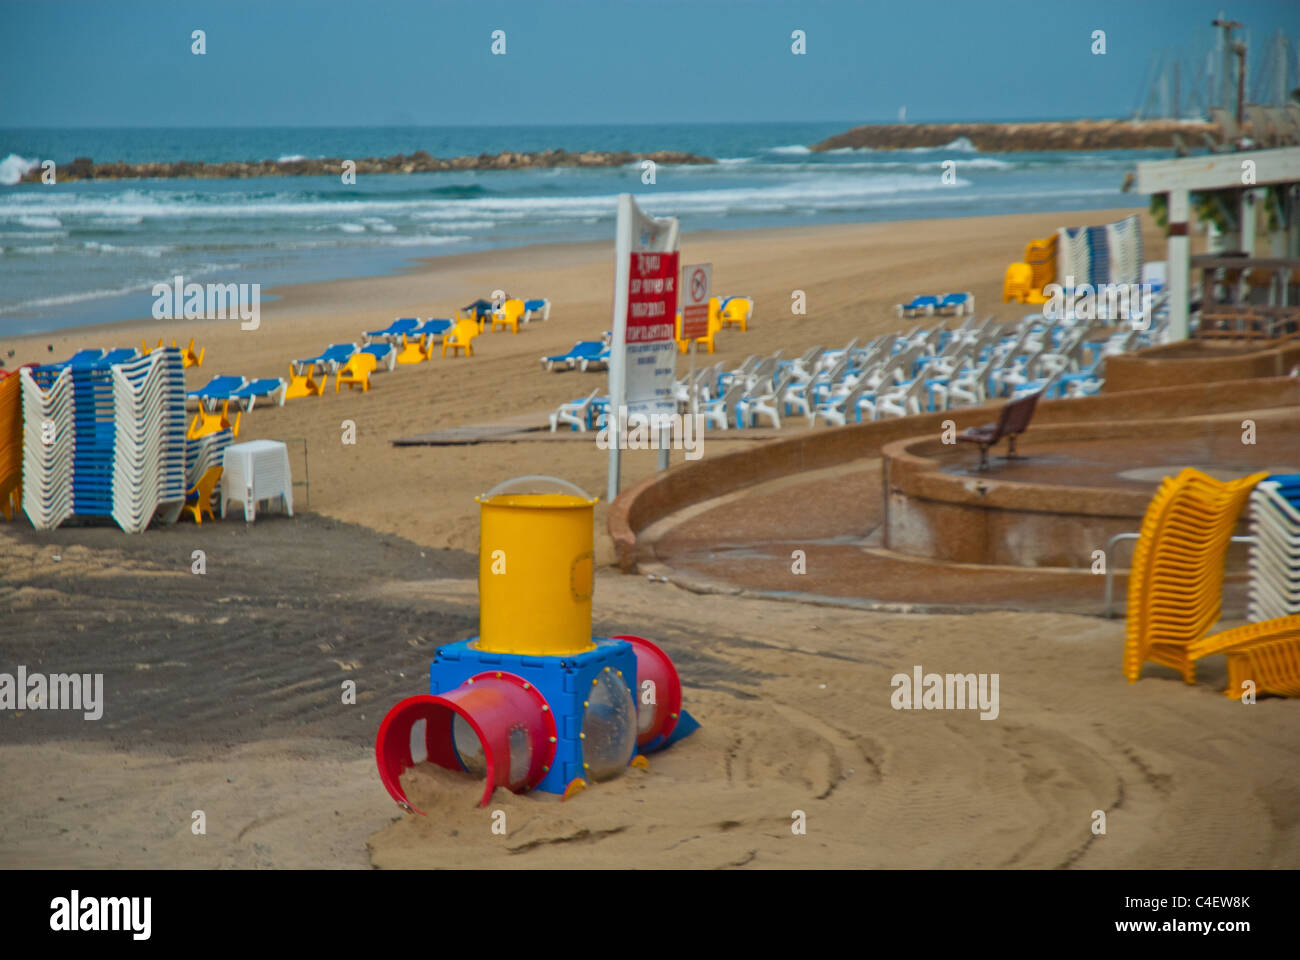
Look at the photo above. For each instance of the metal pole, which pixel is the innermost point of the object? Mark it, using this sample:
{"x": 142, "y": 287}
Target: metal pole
{"x": 1110, "y": 567}
{"x": 618, "y": 343}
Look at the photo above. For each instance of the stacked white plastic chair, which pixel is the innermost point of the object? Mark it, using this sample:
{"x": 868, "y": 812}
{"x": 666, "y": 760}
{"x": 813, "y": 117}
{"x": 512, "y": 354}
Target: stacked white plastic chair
{"x": 1274, "y": 589}
{"x": 149, "y": 448}
{"x": 47, "y": 446}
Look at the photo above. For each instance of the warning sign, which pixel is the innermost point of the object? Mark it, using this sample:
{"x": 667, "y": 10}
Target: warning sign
{"x": 697, "y": 284}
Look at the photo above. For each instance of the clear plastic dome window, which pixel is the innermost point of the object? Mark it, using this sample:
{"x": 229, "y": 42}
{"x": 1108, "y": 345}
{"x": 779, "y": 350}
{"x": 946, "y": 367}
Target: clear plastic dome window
{"x": 610, "y": 726}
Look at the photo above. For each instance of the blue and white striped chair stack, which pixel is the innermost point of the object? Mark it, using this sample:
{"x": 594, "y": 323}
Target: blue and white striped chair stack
{"x": 149, "y": 448}
{"x": 104, "y": 439}
{"x": 1274, "y": 589}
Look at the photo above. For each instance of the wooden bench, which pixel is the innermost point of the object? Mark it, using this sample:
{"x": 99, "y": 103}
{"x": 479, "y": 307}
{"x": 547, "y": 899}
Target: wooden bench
{"x": 1012, "y": 421}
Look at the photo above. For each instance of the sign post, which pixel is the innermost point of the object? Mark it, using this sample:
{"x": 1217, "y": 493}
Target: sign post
{"x": 642, "y": 353}
{"x": 697, "y": 287}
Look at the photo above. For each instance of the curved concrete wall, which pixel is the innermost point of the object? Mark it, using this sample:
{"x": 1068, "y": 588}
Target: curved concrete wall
{"x": 663, "y": 494}
{"x": 960, "y": 518}
{"x": 1197, "y": 361}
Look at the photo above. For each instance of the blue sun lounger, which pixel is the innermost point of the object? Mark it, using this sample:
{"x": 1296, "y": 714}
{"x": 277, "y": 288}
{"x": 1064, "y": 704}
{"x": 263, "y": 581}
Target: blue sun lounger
{"x": 537, "y": 310}
{"x": 334, "y": 357}
{"x": 120, "y": 355}
{"x": 216, "y": 390}
{"x": 384, "y": 353}
{"x": 250, "y": 392}
{"x": 482, "y": 309}
{"x": 957, "y": 303}
{"x": 927, "y": 305}
{"x": 588, "y": 349}
{"x": 599, "y": 362}
{"x": 80, "y": 359}
{"x": 393, "y": 330}
{"x": 433, "y": 327}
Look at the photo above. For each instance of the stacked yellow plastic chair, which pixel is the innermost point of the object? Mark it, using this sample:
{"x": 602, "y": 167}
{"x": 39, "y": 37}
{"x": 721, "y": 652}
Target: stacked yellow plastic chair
{"x": 1024, "y": 282}
{"x": 1176, "y": 579}
{"x": 11, "y": 445}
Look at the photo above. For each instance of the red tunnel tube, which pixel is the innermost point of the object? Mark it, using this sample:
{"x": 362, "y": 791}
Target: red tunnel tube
{"x": 493, "y": 704}
{"x": 653, "y": 664}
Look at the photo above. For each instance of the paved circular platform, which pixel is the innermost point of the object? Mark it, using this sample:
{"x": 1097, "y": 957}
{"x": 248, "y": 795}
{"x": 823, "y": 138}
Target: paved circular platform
{"x": 920, "y": 527}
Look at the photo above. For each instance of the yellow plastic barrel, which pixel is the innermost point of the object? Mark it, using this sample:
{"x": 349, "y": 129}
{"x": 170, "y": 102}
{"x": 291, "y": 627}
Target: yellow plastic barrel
{"x": 535, "y": 568}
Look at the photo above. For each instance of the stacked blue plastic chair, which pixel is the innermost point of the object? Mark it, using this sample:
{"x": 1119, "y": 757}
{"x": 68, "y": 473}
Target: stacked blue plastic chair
{"x": 148, "y": 469}
{"x": 48, "y": 443}
{"x": 1274, "y": 589}
{"x": 94, "y": 430}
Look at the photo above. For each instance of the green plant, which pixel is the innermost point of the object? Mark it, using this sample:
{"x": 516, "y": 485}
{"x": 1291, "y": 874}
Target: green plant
{"x": 1160, "y": 209}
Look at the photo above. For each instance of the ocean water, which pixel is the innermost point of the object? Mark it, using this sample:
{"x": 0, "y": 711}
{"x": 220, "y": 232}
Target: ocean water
{"x": 90, "y": 252}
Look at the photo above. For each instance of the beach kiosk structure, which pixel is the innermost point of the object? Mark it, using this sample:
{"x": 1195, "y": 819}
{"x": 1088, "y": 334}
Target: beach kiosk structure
{"x": 1234, "y": 190}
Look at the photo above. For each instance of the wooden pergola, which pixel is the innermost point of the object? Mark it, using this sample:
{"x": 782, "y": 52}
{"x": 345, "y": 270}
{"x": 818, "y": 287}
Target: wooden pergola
{"x": 1245, "y": 172}
{"x": 1259, "y": 321}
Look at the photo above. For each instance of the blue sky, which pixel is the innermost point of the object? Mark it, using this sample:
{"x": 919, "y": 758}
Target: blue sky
{"x": 332, "y": 63}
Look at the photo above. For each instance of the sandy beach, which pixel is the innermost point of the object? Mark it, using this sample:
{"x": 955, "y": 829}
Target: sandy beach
{"x": 852, "y": 275}
{"x": 224, "y": 688}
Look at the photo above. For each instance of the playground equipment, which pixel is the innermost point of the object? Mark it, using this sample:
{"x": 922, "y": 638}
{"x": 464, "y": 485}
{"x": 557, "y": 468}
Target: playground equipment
{"x": 535, "y": 702}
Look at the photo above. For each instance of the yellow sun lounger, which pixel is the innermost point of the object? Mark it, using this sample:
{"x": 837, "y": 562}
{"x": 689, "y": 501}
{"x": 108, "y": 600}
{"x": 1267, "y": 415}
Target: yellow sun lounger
{"x": 356, "y": 372}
